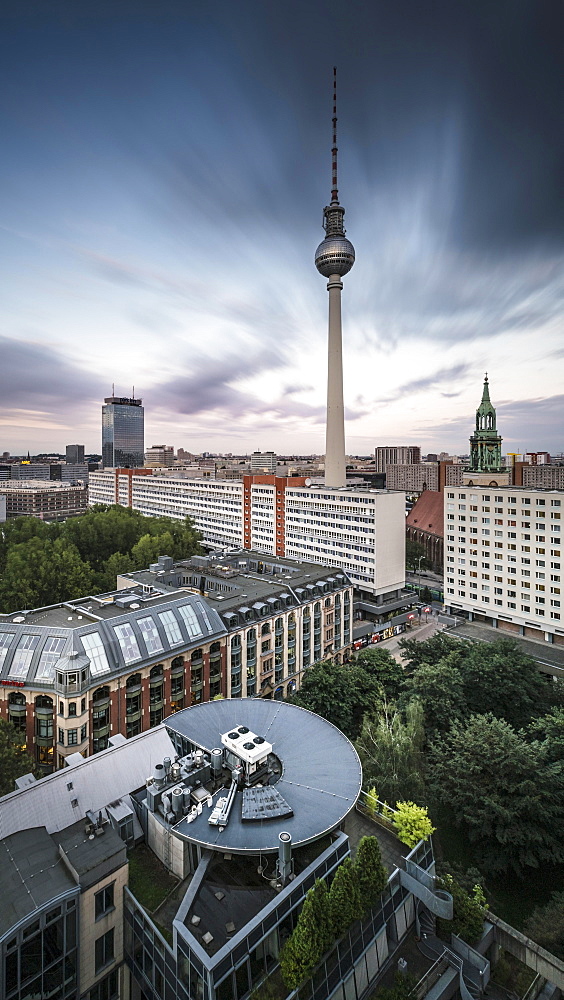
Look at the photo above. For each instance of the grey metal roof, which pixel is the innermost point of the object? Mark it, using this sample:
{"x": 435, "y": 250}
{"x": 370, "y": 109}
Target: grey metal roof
{"x": 32, "y": 875}
{"x": 246, "y": 588}
{"x": 95, "y": 782}
{"x": 321, "y": 774}
{"x": 71, "y": 622}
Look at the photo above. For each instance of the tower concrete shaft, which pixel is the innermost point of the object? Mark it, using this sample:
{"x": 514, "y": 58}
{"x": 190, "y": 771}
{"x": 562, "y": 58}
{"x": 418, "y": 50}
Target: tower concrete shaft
{"x": 334, "y": 257}
{"x": 335, "y": 461}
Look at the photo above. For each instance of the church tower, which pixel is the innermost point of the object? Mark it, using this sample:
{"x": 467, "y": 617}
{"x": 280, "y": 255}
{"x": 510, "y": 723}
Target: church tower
{"x": 485, "y": 442}
{"x": 486, "y": 467}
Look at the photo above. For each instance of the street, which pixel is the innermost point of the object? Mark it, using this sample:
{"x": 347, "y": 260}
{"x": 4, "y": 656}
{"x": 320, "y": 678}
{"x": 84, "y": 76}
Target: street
{"x": 418, "y": 632}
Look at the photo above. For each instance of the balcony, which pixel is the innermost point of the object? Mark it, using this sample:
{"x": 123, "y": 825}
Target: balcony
{"x": 98, "y": 732}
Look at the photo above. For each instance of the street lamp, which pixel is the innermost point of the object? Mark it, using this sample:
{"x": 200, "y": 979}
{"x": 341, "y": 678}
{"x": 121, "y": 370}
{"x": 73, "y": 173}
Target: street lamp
{"x": 420, "y": 558}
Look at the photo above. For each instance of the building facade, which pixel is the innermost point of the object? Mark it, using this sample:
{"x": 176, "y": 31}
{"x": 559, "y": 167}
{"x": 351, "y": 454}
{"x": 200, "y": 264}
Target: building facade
{"x": 72, "y": 923}
{"x": 413, "y": 478}
{"x": 75, "y": 454}
{"x": 396, "y": 455}
{"x": 264, "y": 461}
{"x": 74, "y": 675}
{"x": 360, "y": 531}
{"x": 280, "y": 615}
{"x": 123, "y": 433}
{"x": 503, "y": 555}
{"x": 49, "y": 501}
{"x": 159, "y": 456}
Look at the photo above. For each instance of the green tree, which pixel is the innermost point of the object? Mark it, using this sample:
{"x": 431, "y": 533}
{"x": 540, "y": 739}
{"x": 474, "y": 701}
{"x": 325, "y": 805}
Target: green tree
{"x": 505, "y": 792}
{"x": 40, "y": 572}
{"x": 310, "y": 938}
{"x": 382, "y": 667}
{"x": 21, "y": 529}
{"x": 14, "y": 760}
{"x": 391, "y": 751}
{"x": 439, "y": 690}
{"x": 546, "y": 925}
{"x": 413, "y": 551}
{"x": 339, "y": 693}
{"x": 149, "y": 547}
{"x": 117, "y": 563}
{"x": 402, "y": 989}
{"x": 431, "y": 650}
{"x": 494, "y": 677}
{"x": 469, "y": 910}
{"x": 549, "y": 730}
{"x": 412, "y": 823}
{"x": 345, "y": 901}
{"x": 371, "y": 875}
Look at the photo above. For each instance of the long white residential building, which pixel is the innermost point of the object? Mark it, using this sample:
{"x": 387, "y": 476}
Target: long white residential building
{"x": 361, "y": 531}
{"x": 503, "y": 556}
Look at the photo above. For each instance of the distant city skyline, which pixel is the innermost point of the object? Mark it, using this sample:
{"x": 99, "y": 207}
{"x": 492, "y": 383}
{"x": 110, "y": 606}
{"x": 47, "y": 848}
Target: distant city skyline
{"x": 161, "y": 184}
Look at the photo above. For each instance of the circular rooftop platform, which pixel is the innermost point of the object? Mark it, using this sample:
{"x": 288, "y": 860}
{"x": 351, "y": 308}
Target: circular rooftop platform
{"x": 320, "y": 781}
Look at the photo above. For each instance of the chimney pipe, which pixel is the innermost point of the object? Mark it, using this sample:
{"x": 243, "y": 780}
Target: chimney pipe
{"x": 284, "y": 856}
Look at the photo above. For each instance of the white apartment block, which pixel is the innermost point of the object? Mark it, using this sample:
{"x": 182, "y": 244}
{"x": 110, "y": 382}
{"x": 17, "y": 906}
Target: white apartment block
{"x": 503, "y": 551}
{"x": 360, "y": 531}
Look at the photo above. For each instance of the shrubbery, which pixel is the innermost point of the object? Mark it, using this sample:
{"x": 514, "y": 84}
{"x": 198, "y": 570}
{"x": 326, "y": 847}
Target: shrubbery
{"x": 327, "y": 913}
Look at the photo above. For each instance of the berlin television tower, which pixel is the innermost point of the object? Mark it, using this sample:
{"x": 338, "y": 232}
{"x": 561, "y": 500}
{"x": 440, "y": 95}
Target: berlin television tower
{"x": 334, "y": 257}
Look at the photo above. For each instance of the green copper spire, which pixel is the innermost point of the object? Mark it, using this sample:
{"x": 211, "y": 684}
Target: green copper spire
{"x": 485, "y": 443}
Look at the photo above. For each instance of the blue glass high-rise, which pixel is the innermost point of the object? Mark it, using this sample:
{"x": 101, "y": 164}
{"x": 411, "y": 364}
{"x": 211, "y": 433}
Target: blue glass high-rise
{"x": 123, "y": 433}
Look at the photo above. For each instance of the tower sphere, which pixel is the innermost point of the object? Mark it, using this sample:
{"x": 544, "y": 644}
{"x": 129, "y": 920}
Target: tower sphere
{"x": 335, "y": 255}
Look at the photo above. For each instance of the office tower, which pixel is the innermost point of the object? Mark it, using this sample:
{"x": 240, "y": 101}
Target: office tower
{"x": 159, "y": 456}
{"x": 397, "y": 455}
{"x": 334, "y": 258}
{"x": 75, "y": 454}
{"x": 263, "y": 461}
{"x": 123, "y": 440}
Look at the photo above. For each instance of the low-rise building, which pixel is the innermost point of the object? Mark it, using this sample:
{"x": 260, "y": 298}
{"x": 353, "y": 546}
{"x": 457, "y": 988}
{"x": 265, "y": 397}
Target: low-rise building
{"x": 49, "y": 501}
{"x": 280, "y": 615}
{"x": 72, "y": 675}
{"x": 243, "y": 802}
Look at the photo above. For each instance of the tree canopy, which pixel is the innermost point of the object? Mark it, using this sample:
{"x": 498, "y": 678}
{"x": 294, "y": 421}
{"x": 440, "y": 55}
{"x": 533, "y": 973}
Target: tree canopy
{"x": 390, "y": 747}
{"x": 14, "y": 761}
{"x": 455, "y": 680}
{"x": 505, "y": 792}
{"x": 546, "y": 925}
{"x": 382, "y": 667}
{"x": 45, "y": 563}
{"x": 342, "y": 694}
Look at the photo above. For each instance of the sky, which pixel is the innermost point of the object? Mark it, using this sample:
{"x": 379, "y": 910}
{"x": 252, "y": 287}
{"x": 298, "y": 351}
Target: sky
{"x": 163, "y": 175}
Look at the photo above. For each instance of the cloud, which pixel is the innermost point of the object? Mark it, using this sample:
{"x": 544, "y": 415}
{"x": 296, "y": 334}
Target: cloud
{"x": 36, "y": 376}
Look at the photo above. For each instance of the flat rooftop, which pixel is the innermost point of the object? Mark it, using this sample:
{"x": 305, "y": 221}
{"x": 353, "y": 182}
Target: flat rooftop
{"x": 317, "y": 774}
{"x": 233, "y": 891}
{"x": 242, "y": 578}
{"x": 32, "y": 874}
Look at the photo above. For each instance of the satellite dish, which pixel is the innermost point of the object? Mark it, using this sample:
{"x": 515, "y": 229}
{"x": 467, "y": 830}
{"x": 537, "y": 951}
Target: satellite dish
{"x": 308, "y": 482}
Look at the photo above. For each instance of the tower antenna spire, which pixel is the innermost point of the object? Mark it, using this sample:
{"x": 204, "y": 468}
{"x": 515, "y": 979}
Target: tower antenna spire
{"x": 334, "y": 149}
